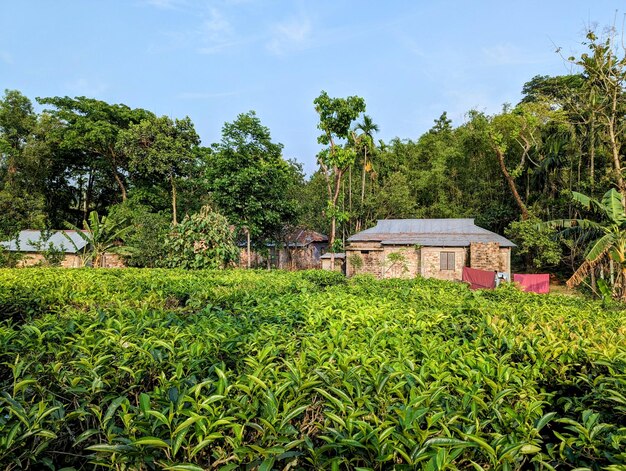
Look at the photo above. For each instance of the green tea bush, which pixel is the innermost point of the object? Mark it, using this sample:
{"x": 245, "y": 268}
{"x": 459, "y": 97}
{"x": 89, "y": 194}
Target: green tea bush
{"x": 180, "y": 370}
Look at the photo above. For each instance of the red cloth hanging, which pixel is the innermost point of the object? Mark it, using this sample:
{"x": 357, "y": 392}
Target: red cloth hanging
{"x": 479, "y": 279}
{"x": 538, "y": 283}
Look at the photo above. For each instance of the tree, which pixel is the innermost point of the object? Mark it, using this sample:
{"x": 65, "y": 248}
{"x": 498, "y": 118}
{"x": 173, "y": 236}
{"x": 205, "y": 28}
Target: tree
{"x": 91, "y": 129}
{"x": 102, "y": 235}
{"x": 365, "y": 144}
{"x": 249, "y": 180}
{"x": 147, "y": 232}
{"x": 515, "y": 137}
{"x": 202, "y": 240}
{"x": 162, "y": 148}
{"x": 20, "y": 206}
{"x": 336, "y": 116}
{"x": 537, "y": 246}
{"x": 17, "y": 120}
{"x": 607, "y": 236}
{"x": 604, "y": 72}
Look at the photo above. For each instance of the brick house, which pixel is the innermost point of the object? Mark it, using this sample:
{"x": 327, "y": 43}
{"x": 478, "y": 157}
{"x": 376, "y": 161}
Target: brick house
{"x": 31, "y": 244}
{"x": 300, "y": 249}
{"x": 432, "y": 248}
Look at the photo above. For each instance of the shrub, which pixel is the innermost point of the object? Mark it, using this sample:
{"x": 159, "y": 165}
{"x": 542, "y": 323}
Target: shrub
{"x": 242, "y": 369}
{"x": 202, "y": 240}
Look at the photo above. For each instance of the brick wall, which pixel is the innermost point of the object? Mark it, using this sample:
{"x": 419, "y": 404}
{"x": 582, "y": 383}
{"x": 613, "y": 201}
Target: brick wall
{"x": 339, "y": 264}
{"x": 371, "y": 258}
{"x": 111, "y": 260}
{"x": 505, "y": 259}
{"x": 35, "y": 259}
{"x": 431, "y": 263}
{"x": 408, "y": 267}
{"x": 488, "y": 256}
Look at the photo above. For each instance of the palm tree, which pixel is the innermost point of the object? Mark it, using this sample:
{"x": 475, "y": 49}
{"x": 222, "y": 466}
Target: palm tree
{"x": 366, "y": 141}
{"x": 367, "y": 128}
{"x": 103, "y": 235}
{"x": 608, "y": 237}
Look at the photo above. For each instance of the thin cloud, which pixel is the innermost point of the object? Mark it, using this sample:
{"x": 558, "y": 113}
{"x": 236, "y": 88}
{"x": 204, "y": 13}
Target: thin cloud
{"x": 215, "y": 27}
{"x": 289, "y": 35}
{"x": 217, "y": 34}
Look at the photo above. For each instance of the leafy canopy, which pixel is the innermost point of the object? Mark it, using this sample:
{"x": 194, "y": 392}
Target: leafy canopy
{"x": 249, "y": 180}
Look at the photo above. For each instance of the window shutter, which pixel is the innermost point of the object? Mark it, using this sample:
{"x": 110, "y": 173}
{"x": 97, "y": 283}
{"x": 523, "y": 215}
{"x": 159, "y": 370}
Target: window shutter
{"x": 446, "y": 261}
{"x": 451, "y": 264}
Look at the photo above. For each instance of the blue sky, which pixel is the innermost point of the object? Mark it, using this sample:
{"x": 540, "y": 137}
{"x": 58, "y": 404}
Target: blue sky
{"x": 211, "y": 60}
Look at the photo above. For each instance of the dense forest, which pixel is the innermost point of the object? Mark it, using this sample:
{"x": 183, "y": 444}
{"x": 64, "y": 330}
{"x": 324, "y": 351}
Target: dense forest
{"x": 539, "y": 172}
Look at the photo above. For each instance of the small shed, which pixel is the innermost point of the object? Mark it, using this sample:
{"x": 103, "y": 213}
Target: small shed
{"x": 432, "y": 248}
{"x": 340, "y": 261}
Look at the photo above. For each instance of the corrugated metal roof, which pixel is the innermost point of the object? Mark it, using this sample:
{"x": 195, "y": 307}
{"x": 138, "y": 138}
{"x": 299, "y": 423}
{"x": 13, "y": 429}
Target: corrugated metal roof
{"x": 304, "y": 237}
{"x": 429, "y": 233}
{"x": 26, "y": 238}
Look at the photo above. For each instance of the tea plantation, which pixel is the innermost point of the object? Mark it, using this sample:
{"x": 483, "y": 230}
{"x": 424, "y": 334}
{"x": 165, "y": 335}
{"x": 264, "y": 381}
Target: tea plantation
{"x": 166, "y": 369}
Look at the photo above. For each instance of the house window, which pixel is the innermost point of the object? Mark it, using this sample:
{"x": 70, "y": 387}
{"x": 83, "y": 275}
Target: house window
{"x": 446, "y": 261}
{"x": 365, "y": 252}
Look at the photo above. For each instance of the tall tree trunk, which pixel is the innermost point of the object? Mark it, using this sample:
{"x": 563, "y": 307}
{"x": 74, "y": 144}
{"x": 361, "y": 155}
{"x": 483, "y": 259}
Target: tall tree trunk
{"x": 363, "y": 176}
{"x": 359, "y": 222}
{"x": 350, "y": 193}
{"x": 617, "y": 165}
{"x": 174, "y": 218}
{"x": 511, "y": 183}
{"x": 11, "y": 170}
{"x": 116, "y": 174}
{"x": 88, "y": 192}
{"x": 333, "y": 221}
{"x": 592, "y": 155}
{"x": 120, "y": 183}
{"x": 248, "y": 245}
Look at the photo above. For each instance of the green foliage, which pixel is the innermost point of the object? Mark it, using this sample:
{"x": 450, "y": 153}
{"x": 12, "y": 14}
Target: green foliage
{"x": 537, "y": 245}
{"x": 396, "y": 260}
{"x": 356, "y": 261}
{"x": 605, "y": 235}
{"x": 336, "y": 116}
{"x": 20, "y": 210}
{"x": 171, "y": 369}
{"x": 250, "y": 181}
{"x": 53, "y": 256}
{"x": 146, "y": 234}
{"x": 102, "y": 235}
{"x": 202, "y": 240}
{"x": 91, "y": 129}
{"x": 161, "y": 148}
{"x": 9, "y": 259}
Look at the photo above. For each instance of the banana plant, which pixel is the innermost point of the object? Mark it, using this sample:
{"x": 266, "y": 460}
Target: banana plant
{"x": 607, "y": 236}
{"x": 102, "y": 235}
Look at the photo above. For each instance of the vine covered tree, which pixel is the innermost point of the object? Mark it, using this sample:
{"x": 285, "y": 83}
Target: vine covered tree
{"x": 202, "y": 240}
